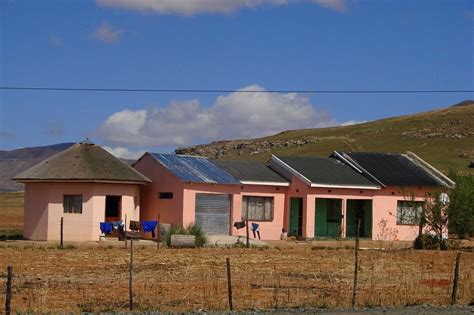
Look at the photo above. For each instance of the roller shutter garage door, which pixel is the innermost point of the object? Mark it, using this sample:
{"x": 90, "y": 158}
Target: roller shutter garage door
{"x": 213, "y": 213}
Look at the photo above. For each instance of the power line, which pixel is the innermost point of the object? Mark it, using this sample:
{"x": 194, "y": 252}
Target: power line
{"x": 36, "y": 88}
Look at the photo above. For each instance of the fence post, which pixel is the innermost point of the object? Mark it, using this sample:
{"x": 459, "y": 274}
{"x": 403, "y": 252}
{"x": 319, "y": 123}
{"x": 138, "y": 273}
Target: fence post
{"x": 158, "y": 232}
{"x": 8, "y": 293}
{"x": 229, "y": 284}
{"x": 247, "y": 243}
{"x": 456, "y": 279}
{"x": 61, "y": 234}
{"x": 356, "y": 264}
{"x": 125, "y": 231}
{"x": 130, "y": 279}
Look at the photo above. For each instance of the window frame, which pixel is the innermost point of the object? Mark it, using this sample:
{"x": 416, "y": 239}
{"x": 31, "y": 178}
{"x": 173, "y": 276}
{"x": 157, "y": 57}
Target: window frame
{"x": 249, "y": 198}
{"x": 69, "y": 206}
{"x": 406, "y": 205}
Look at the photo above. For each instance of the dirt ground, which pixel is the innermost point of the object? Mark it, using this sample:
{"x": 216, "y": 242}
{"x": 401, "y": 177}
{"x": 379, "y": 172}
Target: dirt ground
{"x": 95, "y": 278}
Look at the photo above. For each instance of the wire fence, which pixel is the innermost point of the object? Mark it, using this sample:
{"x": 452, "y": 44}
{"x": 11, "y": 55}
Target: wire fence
{"x": 97, "y": 279}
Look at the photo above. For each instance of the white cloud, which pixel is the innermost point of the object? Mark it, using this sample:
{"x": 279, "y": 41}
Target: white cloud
{"x": 247, "y": 114}
{"x": 107, "y": 34}
{"x": 352, "y": 122}
{"x": 124, "y": 153}
{"x": 193, "y": 7}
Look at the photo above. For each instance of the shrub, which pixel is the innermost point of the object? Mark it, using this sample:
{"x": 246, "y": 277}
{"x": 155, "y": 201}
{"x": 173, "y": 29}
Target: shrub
{"x": 191, "y": 229}
{"x": 461, "y": 206}
{"x": 429, "y": 241}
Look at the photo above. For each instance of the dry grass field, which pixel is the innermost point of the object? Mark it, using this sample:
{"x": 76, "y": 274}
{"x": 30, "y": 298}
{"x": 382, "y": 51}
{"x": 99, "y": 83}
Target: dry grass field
{"x": 95, "y": 278}
{"x": 11, "y": 212}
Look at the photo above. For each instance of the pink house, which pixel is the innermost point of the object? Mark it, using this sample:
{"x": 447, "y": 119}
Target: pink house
{"x": 328, "y": 196}
{"x": 85, "y": 185}
{"x": 309, "y": 197}
{"x": 213, "y": 194}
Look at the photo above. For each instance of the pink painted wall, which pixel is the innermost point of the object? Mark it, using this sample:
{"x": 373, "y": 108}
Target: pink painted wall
{"x": 170, "y": 210}
{"x": 181, "y": 209}
{"x": 384, "y": 207}
{"x": 44, "y": 209}
{"x": 270, "y": 230}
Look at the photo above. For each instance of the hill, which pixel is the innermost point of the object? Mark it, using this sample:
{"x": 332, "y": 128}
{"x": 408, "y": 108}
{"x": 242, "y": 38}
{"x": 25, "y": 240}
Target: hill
{"x": 444, "y": 138}
{"x": 15, "y": 161}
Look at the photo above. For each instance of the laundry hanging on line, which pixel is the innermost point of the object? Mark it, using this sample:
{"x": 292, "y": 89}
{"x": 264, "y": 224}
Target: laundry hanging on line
{"x": 149, "y": 226}
{"x": 106, "y": 227}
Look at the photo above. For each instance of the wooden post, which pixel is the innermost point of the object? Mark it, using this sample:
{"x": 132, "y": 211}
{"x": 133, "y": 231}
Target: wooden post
{"x": 61, "y": 235}
{"x": 356, "y": 264}
{"x": 130, "y": 279}
{"x": 456, "y": 279}
{"x": 158, "y": 231}
{"x": 229, "y": 284}
{"x": 125, "y": 231}
{"x": 8, "y": 293}
{"x": 247, "y": 243}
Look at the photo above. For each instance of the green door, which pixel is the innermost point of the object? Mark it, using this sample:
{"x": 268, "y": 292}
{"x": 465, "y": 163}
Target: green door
{"x": 359, "y": 210}
{"x": 328, "y": 217}
{"x": 296, "y": 217}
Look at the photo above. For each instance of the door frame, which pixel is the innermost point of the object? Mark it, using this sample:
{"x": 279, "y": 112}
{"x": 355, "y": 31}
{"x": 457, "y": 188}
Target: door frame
{"x": 363, "y": 210}
{"x": 299, "y": 229}
{"x": 326, "y": 208}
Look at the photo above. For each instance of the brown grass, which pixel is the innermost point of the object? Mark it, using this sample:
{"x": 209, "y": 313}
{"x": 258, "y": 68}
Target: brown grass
{"x": 96, "y": 278}
{"x": 11, "y": 211}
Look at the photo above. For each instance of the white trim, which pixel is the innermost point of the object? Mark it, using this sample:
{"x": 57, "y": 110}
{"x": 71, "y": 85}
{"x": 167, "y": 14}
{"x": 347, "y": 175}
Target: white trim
{"x": 289, "y": 168}
{"x": 357, "y": 167}
{"x": 347, "y": 187}
{"x": 80, "y": 181}
{"x": 347, "y": 161}
{"x": 244, "y": 182}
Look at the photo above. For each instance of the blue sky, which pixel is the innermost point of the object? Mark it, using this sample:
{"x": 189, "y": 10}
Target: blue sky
{"x": 255, "y": 45}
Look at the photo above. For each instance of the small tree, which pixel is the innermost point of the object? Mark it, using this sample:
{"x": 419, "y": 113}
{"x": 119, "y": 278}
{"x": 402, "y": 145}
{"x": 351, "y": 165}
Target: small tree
{"x": 461, "y": 206}
{"x": 434, "y": 214}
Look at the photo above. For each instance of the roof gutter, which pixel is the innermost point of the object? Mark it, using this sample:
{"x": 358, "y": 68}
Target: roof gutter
{"x": 344, "y": 186}
{"x": 245, "y": 182}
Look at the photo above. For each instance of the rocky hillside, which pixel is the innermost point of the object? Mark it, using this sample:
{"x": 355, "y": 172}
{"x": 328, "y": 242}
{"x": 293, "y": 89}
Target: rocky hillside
{"x": 443, "y": 137}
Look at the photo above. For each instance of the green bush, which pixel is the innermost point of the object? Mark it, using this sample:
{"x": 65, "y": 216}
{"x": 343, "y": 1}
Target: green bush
{"x": 461, "y": 206}
{"x": 191, "y": 229}
{"x": 429, "y": 241}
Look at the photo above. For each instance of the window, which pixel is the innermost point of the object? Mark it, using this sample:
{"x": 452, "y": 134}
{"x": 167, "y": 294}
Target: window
{"x": 165, "y": 195}
{"x": 72, "y": 204}
{"x": 258, "y": 208}
{"x": 408, "y": 212}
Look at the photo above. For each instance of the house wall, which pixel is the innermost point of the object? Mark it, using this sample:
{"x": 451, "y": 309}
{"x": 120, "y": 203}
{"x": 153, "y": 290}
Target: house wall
{"x": 309, "y": 194}
{"x": 384, "y": 208}
{"x": 44, "y": 209}
{"x": 268, "y": 230}
{"x": 170, "y": 210}
{"x": 181, "y": 209}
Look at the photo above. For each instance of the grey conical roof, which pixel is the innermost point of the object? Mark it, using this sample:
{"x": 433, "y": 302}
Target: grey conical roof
{"x": 82, "y": 162}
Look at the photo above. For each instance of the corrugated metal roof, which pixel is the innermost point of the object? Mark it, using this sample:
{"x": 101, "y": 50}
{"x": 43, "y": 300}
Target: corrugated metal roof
{"x": 250, "y": 171}
{"x": 393, "y": 169}
{"x": 194, "y": 169}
